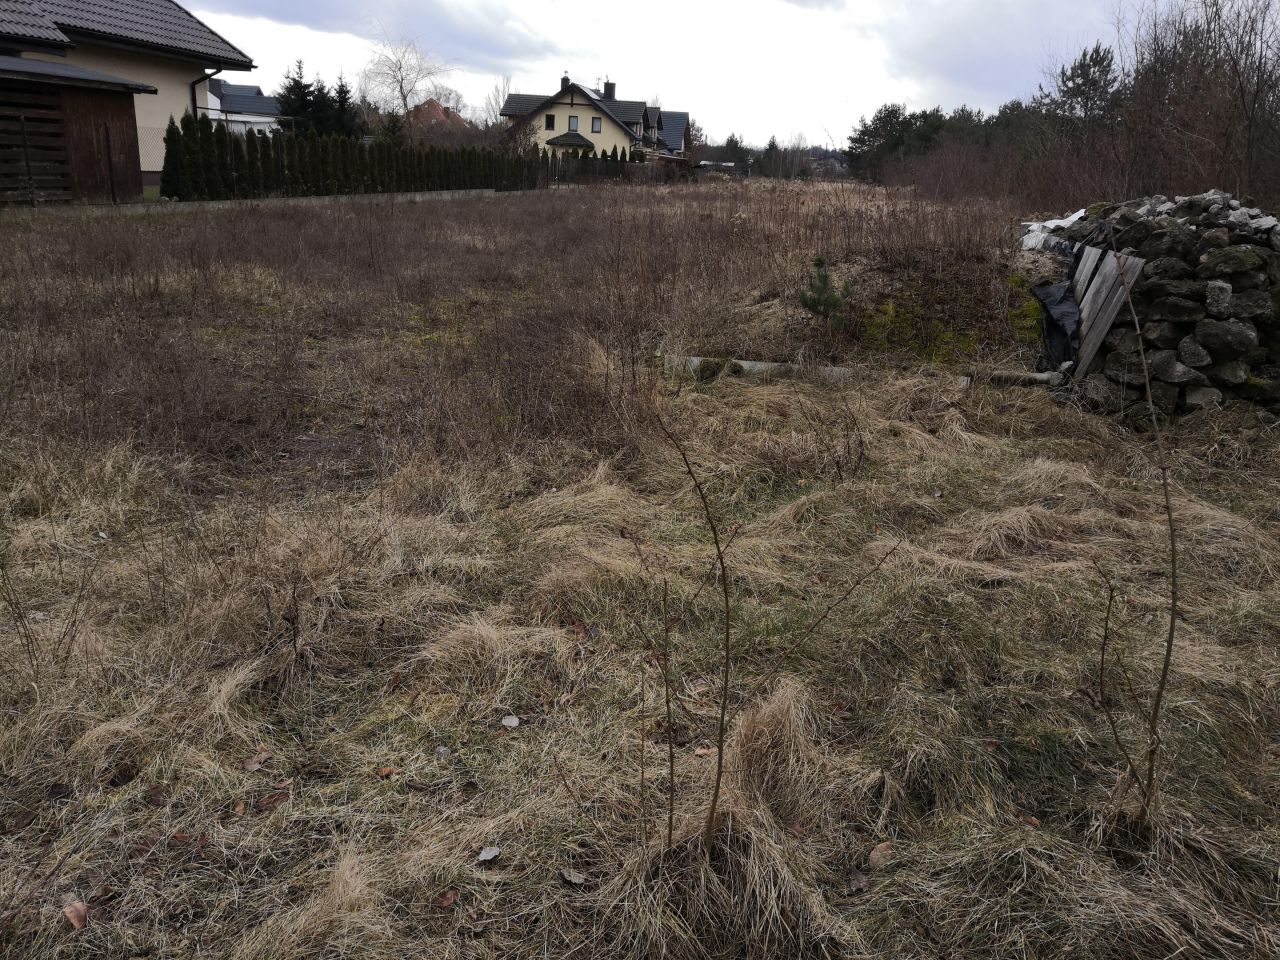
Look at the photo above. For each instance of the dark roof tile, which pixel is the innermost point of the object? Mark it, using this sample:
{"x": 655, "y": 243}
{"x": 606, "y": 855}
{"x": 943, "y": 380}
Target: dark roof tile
{"x": 27, "y": 19}
{"x": 674, "y": 125}
{"x": 519, "y": 104}
{"x": 161, "y": 24}
{"x": 243, "y": 98}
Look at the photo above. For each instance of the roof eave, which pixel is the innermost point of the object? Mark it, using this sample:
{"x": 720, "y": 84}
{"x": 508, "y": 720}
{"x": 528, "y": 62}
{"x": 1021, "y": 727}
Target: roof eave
{"x": 176, "y": 53}
{"x": 122, "y": 86}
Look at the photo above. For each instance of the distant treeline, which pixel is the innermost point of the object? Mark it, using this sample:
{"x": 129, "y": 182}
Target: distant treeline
{"x": 1189, "y": 102}
{"x": 204, "y": 161}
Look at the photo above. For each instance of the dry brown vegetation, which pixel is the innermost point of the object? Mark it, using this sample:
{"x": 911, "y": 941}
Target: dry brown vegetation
{"x": 300, "y": 504}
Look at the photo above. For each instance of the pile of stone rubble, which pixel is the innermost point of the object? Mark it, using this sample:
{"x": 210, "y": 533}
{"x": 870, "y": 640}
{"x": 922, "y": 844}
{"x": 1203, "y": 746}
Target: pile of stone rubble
{"x": 1208, "y": 302}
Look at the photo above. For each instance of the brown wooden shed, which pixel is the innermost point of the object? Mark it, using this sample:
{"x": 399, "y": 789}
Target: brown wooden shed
{"x": 67, "y": 134}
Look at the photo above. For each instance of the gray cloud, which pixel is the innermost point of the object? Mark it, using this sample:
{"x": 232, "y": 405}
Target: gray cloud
{"x": 984, "y": 52}
{"x": 485, "y": 37}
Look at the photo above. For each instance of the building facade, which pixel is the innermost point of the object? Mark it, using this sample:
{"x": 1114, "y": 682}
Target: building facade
{"x": 579, "y": 119}
{"x": 154, "y": 43}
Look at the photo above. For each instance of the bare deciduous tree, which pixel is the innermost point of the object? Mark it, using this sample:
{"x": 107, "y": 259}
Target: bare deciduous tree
{"x": 491, "y": 110}
{"x": 400, "y": 75}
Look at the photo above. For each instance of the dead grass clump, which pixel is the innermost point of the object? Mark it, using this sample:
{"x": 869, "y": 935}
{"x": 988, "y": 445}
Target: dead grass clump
{"x": 758, "y": 890}
{"x": 1019, "y": 892}
{"x": 487, "y": 666}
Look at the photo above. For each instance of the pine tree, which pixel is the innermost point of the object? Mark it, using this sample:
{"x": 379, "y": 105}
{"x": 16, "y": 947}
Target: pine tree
{"x": 346, "y": 122}
{"x": 623, "y": 156}
{"x": 295, "y": 98}
{"x": 172, "y": 179}
{"x": 613, "y": 154}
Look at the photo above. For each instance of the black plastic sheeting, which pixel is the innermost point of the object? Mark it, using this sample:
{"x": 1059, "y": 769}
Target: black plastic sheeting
{"x": 1061, "y": 323}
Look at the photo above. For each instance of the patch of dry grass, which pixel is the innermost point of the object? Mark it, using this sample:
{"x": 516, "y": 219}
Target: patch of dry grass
{"x": 254, "y": 680}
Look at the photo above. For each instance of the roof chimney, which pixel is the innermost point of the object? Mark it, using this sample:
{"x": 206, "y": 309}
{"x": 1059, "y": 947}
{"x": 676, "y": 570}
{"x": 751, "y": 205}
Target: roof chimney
{"x": 610, "y": 90}
{"x": 564, "y": 82}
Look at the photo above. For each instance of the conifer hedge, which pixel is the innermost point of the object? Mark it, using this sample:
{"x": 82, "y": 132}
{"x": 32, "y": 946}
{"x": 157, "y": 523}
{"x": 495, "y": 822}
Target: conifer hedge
{"x": 204, "y": 161}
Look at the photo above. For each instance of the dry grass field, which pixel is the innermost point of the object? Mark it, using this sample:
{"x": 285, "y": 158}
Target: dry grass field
{"x": 342, "y": 543}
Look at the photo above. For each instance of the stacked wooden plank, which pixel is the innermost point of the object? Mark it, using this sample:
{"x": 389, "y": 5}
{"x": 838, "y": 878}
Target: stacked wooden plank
{"x": 33, "y": 147}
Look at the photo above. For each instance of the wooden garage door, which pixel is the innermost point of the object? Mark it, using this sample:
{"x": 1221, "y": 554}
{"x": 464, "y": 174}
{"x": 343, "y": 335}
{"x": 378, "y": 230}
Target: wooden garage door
{"x": 33, "y": 145}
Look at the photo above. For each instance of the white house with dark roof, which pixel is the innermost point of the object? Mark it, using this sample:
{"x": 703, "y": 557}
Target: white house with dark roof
{"x": 154, "y": 43}
{"x": 242, "y": 107}
{"x": 579, "y": 118}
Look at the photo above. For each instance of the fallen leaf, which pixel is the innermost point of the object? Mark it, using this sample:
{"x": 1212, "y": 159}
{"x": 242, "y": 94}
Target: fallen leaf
{"x": 156, "y": 795}
{"x": 488, "y": 854}
{"x": 77, "y": 914}
{"x": 447, "y": 899}
{"x": 385, "y": 773}
{"x": 511, "y": 721}
{"x": 1028, "y": 819}
{"x": 273, "y": 800}
{"x": 572, "y": 877}
{"x": 239, "y": 807}
{"x": 255, "y": 762}
{"x": 393, "y": 683}
{"x": 704, "y": 752}
{"x": 859, "y": 882}
{"x": 880, "y": 855}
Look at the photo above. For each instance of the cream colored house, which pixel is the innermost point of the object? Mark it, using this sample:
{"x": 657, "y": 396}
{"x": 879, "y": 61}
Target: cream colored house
{"x": 152, "y": 42}
{"x": 579, "y": 119}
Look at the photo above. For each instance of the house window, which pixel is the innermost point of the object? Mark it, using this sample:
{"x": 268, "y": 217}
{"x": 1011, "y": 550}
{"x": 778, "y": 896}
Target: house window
{"x": 573, "y": 123}
{"x": 595, "y": 124}
{"x": 551, "y": 121}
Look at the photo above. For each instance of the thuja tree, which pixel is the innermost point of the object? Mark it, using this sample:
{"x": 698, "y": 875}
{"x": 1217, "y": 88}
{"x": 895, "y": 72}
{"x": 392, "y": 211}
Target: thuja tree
{"x": 173, "y": 180}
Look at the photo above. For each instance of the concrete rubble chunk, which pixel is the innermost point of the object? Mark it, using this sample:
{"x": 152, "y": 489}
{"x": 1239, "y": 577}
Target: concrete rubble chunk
{"x": 1161, "y": 333}
{"x": 1229, "y": 260}
{"x": 1166, "y": 366}
{"x": 1229, "y": 373}
{"x": 1252, "y": 305}
{"x": 1203, "y": 398}
{"x": 1217, "y": 298}
{"x": 1192, "y": 353}
{"x": 1176, "y": 310}
{"x": 1124, "y": 368}
{"x": 1226, "y": 339}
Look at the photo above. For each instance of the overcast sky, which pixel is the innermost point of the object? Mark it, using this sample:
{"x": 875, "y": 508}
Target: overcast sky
{"x": 754, "y": 67}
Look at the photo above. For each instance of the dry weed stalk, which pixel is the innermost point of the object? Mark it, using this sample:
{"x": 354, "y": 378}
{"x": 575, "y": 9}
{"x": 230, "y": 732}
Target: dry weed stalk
{"x": 727, "y": 653}
{"x": 1146, "y": 786}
